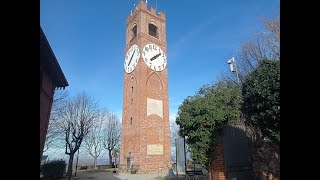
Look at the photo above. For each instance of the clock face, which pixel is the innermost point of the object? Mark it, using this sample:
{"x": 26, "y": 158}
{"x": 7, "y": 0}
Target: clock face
{"x": 132, "y": 58}
{"x": 154, "y": 57}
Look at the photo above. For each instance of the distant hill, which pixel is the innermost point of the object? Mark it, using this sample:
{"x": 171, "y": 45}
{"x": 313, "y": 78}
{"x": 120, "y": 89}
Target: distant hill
{"x": 89, "y": 162}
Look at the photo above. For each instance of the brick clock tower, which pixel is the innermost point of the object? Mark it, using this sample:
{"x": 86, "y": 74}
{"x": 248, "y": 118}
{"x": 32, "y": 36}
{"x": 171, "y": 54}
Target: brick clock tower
{"x": 145, "y": 144}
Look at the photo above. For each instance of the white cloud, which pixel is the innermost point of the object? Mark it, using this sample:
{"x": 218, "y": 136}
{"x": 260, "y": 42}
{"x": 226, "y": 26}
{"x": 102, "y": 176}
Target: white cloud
{"x": 186, "y": 37}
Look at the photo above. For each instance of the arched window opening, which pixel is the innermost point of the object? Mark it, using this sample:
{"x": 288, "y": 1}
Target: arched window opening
{"x": 134, "y": 32}
{"x": 153, "y": 30}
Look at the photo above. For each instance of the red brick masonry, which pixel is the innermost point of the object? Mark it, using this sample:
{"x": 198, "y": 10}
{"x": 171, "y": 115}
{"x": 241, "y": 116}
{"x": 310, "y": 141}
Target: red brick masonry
{"x": 216, "y": 169}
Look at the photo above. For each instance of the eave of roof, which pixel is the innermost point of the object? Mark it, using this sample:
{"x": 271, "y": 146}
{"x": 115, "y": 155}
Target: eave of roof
{"x": 49, "y": 62}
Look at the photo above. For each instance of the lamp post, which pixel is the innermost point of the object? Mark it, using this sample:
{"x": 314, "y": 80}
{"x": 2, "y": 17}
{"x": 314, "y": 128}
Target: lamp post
{"x": 233, "y": 67}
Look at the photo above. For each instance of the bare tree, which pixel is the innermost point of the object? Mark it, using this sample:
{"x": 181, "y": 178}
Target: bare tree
{"x": 113, "y": 134}
{"x": 174, "y": 134}
{"x": 53, "y": 137}
{"x": 263, "y": 45}
{"x": 94, "y": 139}
{"x": 115, "y": 154}
{"x": 77, "y": 118}
{"x": 174, "y": 131}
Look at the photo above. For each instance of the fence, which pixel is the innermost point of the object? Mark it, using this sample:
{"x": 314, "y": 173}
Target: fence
{"x": 236, "y": 152}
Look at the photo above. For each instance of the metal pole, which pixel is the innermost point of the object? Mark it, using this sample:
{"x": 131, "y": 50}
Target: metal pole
{"x": 235, "y": 64}
{"x": 185, "y": 158}
{"x": 75, "y": 173}
{"x": 176, "y": 158}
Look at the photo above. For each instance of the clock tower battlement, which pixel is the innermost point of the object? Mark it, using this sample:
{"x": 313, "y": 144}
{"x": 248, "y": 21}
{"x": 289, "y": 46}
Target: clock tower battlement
{"x": 145, "y": 143}
{"x": 143, "y": 22}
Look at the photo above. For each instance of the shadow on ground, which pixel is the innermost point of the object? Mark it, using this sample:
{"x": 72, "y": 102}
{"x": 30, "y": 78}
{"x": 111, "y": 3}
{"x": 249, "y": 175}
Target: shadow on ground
{"x": 107, "y": 174}
{"x": 99, "y": 174}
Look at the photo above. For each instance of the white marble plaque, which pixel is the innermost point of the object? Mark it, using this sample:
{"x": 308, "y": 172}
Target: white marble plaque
{"x": 154, "y": 149}
{"x": 154, "y": 106}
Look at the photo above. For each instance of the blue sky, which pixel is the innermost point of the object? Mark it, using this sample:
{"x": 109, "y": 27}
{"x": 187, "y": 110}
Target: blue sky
{"x": 88, "y": 39}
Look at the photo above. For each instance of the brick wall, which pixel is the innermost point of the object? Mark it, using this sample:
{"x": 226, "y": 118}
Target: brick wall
{"x": 46, "y": 95}
{"x": 216, "y": 169}
{"x": 265, "y": 156}
{"x": 141, "y": 84}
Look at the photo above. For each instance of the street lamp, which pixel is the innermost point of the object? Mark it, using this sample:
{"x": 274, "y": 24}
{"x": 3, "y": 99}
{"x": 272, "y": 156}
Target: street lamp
{"x": 233, "y": 67}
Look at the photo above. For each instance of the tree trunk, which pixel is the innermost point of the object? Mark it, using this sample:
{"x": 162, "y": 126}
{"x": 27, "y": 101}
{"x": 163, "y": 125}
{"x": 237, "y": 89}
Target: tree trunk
{"x": 110, "y": 159}
{"x": 95, "y": 162}
{"x": 69, "y": 172}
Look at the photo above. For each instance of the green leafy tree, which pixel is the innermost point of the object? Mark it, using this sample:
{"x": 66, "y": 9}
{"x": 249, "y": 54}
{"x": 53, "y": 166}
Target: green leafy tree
{"x": 261, "y": 99}
{"x": 202, "y": 116}
{"x": 54, "y": 169}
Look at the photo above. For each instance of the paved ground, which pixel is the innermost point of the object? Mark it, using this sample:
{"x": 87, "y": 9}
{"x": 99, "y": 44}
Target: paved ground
{"x": 109, "y": 175}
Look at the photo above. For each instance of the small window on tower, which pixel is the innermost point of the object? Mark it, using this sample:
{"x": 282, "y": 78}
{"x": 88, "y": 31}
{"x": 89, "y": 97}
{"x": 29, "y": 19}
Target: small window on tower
{"x": 134, "y": 32}
{"x": 131, "y": 121}
{"x": 131, "y": 101}
{"x": 132, "y": 89}
{"x": 153, "y": 30}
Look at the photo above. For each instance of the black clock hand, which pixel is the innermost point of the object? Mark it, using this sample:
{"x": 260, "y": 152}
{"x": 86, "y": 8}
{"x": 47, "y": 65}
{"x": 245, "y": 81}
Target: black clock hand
{"x": 155, "y": 57}
{"x": 131, "y": 57}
